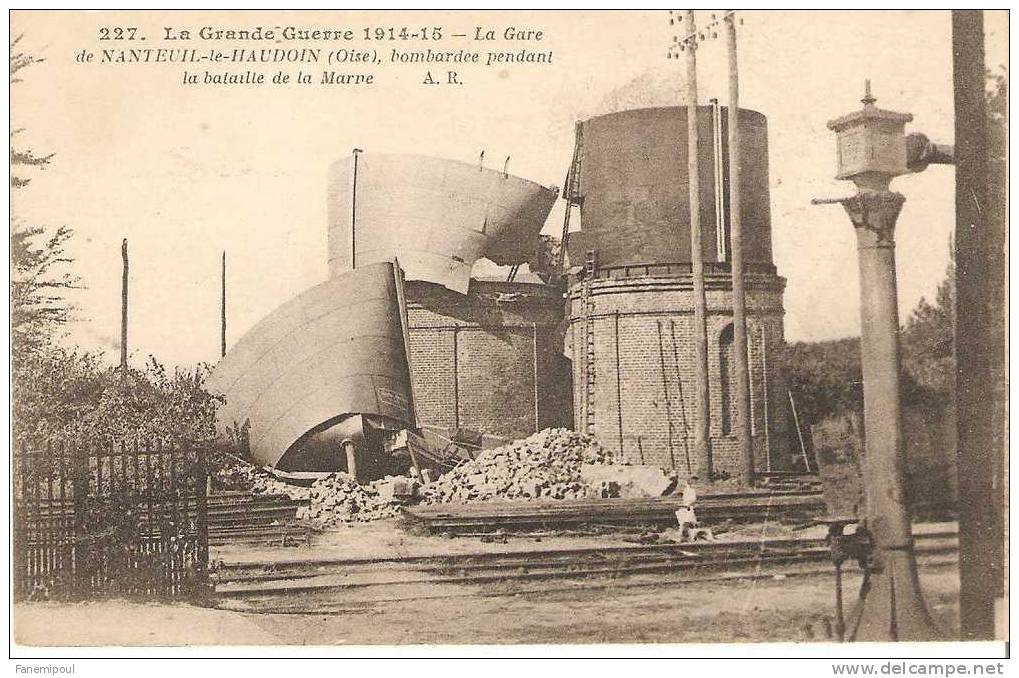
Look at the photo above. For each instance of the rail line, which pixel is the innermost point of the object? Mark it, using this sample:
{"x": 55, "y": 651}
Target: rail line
{"x": 335, "y": 583}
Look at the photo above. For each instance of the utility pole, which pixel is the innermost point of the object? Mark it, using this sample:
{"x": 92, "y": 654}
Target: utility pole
{"x": 222, "y": 309}
{"x": 123, "y": 312}
{"x": 739, "y": 315}
{"x": 702, "y": 417}
{"x": 981, "y": 388}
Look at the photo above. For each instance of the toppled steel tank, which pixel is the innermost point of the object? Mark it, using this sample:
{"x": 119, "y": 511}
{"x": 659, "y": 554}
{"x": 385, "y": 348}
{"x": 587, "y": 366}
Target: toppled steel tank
{"x": 436, "y": 216}
{"x": 329, "y": 366}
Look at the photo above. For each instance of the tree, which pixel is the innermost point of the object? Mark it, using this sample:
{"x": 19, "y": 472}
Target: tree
{"x": 21, "y": 157}
{"x": 67, "y": 391}
{"x": 928, "y": 342}
{"x": 40, "y": 265}
{"x": 39, "y": 278}
{"x": 825, "y": 377}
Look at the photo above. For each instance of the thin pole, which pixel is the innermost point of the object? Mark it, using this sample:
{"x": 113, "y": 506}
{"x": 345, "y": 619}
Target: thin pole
{"x": 702, "y": 441}
{"x": 534, "y": 344}
{"x": 767, "y": 408}
{"x": 665, "y": 389}
{"x": 739, "y": 318}
{"x": 123, "y": 311}
{"x": 350, "y": 453}
{"x": 682, "y": 398}
{"x": 619, "y": 386}
{"x": 222, "y": 309}
{"x": 799, "y": 432}
{"x": 716, "y": 139}
{"x": 353, "y": 211}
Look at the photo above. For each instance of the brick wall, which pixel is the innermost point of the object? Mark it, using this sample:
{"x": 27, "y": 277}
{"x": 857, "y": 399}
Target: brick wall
{"x": 644, "y": 383}
{"x": 488, "y": 360}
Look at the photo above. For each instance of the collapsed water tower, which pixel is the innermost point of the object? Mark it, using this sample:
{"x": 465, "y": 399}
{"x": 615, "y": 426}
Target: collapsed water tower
{"x": 631, "y": 307}
{"x": 485, "y": 355}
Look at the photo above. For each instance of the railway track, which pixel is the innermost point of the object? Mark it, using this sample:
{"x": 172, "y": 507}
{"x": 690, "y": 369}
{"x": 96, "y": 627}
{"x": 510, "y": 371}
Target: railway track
{"x": 789, "y": 506}
{"x": 323, "y": 585}
{"x": 243, "y": 518}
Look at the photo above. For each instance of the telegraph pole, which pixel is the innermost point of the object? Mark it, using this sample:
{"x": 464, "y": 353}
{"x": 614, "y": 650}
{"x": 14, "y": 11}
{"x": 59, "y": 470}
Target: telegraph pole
{"x": 980, "y": 338}
{"x": 702, "y": 430}
{"x": 739, "y": 316}
{"x": 123, "y": 312}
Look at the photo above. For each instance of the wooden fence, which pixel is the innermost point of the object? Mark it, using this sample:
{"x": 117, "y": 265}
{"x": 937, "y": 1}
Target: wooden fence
{"x": 117, "y": 519}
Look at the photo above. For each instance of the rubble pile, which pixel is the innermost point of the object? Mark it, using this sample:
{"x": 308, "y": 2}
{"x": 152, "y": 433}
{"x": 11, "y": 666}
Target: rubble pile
{"x": 248, "y": 478}
{"x": 232, "y": 475}
{"x": 338, "y": 498}
{"x": 551, "y": 464}
{"x": 547, "y": 465}
{"x": 264, "y": 483}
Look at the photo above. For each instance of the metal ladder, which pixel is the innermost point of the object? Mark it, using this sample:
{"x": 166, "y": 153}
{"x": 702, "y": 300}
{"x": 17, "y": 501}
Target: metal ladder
{"x": 590, "y": 266}
{"x": 571, "y": 193}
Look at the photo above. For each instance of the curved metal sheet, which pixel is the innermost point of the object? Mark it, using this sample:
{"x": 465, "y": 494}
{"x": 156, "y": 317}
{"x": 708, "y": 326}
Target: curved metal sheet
{"x": 436, "y": 216}
{"x": 334, "y": 350}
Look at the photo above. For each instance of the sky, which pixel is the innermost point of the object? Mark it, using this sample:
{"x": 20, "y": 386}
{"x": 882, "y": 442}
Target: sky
{"x": 184, "y": 172}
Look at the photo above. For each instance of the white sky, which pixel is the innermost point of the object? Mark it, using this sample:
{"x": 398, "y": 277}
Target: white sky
{"x": 185, "y": 173}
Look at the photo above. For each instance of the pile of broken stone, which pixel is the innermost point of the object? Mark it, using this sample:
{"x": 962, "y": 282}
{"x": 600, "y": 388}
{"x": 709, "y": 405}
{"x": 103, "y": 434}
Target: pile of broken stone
{"x": 338, "y": 498}
{"x": 550, "y": 464}
{"x": 553, "y": 464}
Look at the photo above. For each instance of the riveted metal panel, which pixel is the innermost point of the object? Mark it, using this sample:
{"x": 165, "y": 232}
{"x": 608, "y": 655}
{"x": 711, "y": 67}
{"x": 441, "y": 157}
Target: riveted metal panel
{"x": 436, "y": 216}
{"x": 337, "y": 349}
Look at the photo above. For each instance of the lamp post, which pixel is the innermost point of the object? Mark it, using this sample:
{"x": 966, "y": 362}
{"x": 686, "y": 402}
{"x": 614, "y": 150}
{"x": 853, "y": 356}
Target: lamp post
{"x": 872, "y": 150}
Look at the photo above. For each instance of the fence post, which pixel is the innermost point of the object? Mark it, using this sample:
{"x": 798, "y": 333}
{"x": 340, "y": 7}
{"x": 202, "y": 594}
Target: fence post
{"x": 20, "y": 524}
{"x": 202, "y": 522}
{"x": 79, "y": 492}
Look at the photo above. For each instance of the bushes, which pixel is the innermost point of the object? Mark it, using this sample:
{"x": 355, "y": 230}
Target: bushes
{"x": 60, "y": 391}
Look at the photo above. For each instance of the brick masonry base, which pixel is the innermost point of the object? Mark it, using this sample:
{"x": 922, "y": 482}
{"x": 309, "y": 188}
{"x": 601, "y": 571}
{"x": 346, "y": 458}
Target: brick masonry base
{"x": 644, "y": 380}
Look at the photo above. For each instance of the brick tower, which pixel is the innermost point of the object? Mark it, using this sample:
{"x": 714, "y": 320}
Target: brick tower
{"x": 630, "y": 307}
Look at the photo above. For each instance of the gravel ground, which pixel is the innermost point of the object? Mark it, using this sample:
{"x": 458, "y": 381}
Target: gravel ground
{"x": 740, "y": 611}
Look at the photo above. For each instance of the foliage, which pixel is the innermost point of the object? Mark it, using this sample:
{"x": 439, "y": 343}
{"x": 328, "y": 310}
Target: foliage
{"x": 57, "y": 390}
{"x": 40, "y": 275}
{"x": 825, "y": 378}
{"x": 21, "y": 157}
{"x": 928, "y": 341}
{"x": 62, "y": 391}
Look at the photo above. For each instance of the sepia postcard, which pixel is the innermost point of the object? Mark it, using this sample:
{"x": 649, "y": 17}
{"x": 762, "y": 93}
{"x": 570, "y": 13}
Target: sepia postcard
{"x": 579, "y": 333}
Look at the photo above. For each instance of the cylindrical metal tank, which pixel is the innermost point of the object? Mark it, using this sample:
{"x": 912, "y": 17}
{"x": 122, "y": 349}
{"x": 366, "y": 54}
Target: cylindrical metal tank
{"x": 436, "y": 216}
{"x": 297, "y": 381}
{"x": 489, "y": 360}
{"x": 634, "y": 187}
